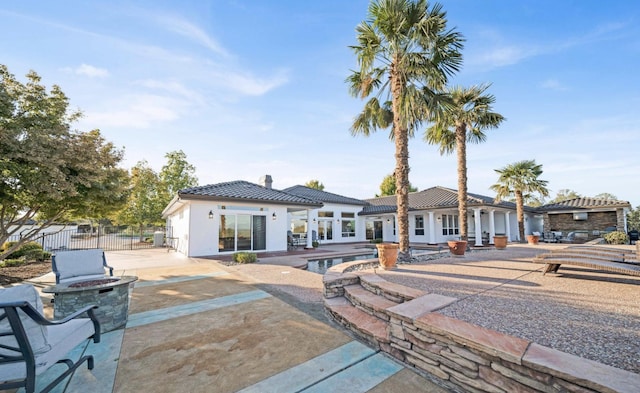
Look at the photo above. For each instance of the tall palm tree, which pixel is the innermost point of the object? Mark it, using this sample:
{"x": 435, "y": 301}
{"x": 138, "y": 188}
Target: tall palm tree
{"x": 519, "y": 179}
{"x": 463, "y": 119}
{"x": 405, "y": 54}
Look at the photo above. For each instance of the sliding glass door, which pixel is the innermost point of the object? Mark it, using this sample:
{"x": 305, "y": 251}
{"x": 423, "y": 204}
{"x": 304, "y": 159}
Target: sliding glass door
{"x": 242, "y": 232}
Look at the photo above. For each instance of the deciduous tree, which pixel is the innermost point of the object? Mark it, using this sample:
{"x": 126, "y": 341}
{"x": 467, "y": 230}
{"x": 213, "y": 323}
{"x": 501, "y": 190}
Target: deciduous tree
{"x": 47, "y": 170}
{"x": 315, "y": 184}
{"x": 388, "y": 186}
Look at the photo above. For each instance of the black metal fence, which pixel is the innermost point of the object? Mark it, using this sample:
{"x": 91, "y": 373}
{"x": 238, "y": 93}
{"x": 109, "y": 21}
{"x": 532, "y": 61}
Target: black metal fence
{"x": 104, "y": 237}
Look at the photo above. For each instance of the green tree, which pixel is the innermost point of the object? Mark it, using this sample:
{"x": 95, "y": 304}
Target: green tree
{"x": 388, "y": 186}
{"x": 315, "y": 184}
{"x": 405, "y": 53}
{"x": 564, "y": 195}
{"x": 606, "y": 195}
{"x": 633, "y": 219}
{"x": 175, "y": 175}
{"x": 519, "y": 179}
{"x": 146, "y": 200}
{"x": 48, "y": 171}
{"x": 463, "y": 119}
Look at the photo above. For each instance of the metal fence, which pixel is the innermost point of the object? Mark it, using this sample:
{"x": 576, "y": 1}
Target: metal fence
{"x": 106, "y": 238}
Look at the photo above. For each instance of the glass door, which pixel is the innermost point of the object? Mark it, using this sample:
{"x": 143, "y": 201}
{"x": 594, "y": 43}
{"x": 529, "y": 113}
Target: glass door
{"x": 325, "y": 230}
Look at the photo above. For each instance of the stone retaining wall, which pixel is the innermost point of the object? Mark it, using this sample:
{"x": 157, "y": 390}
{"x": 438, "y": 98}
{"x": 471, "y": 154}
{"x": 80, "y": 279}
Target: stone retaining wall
{"x": 475, "y": 359}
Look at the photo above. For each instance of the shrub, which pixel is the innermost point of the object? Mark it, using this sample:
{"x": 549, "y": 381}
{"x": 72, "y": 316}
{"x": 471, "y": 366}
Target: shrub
{"x": 245, "y": 257}
{"x": 617, "y": 237}
{"x": 30, "y": 251}
{"x": 13, "y": 262}
{"x": 375, "y": 241}
{"x": 315, "y": 244}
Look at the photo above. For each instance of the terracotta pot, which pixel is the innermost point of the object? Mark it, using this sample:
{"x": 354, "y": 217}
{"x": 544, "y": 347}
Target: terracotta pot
{"x": 500, "y": 242}
{"x": 387, "y": 255}
{"x": 533, "y": 239}
{"x": 457, "y": 247}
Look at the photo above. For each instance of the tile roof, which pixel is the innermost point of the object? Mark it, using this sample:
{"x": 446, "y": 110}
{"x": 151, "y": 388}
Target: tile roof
{"x": 244, "y": 191}
{"x": 430, "y": 198}
{"x": 584, "y": 203}
{"x": 323, "y": 196}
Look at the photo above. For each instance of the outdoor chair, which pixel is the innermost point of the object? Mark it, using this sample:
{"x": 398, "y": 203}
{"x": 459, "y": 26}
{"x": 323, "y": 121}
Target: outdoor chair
{"x": 79, "y": 265}
{"x": 30, "y": 344}
{"x": 569, "y": 239}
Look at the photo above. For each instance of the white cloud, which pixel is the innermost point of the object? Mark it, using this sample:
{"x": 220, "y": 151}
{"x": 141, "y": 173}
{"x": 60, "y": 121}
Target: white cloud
{"x": 553, "y": 84}
{"x": 187, "y": 29}
{"x": 138, "y": 111}
{"x": 88, "y": 70}
{"x": 250, "y": 85}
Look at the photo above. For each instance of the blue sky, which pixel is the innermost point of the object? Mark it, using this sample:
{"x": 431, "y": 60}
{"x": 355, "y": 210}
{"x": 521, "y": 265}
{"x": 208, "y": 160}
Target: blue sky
{"x": 253, "y": 87}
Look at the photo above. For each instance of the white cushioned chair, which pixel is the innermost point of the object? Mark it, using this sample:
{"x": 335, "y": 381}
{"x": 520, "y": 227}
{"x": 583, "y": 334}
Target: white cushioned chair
{"x": 79, "y": 265}
{"x": 30, "y": 344}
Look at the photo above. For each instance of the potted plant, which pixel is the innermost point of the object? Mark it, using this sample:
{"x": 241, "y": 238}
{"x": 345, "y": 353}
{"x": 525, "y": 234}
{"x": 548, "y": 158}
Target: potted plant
{"x": 387, "y": 255}
{"x": 500, "y": 242}
{"x": 457, "y": 247}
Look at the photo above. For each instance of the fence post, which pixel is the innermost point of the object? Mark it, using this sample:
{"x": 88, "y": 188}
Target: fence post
{"x": 98, "y": 241}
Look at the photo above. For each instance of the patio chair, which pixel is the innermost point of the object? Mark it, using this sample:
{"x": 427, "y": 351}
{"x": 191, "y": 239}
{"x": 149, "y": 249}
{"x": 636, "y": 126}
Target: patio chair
{"x": 569, "y": 239}
{"x": 30, "y": 344}
{"x": 79, "y": 265}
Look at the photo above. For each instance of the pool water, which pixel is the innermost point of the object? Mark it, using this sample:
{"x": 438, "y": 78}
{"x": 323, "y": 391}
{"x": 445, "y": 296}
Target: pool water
{"x": 321, "y": 265}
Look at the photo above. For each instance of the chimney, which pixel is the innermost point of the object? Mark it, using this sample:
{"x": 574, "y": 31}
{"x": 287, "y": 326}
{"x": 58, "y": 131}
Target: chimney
{"x": 266, "y": 181}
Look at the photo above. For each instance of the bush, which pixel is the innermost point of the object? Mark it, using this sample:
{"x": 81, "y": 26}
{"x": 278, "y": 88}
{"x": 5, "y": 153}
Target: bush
{"x": 617, "y": 237}
{"x": 12, "y": 262}
{"x": 245, "y": 257}
{"x": 30, "y": 251}
{"x": 375, "y": 241}
{"x": 315, "y": 244}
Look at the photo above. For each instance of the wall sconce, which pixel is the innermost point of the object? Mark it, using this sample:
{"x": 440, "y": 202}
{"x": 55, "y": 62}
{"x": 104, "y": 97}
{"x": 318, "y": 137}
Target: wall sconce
{"x": 338, "y": 220}
{"x": 314, "y": 220}
{"x": 388, "y": 220}
{"x": 273, "y": 216}
{"x": 211, "y": 214}
{"x": 439, "y": 218}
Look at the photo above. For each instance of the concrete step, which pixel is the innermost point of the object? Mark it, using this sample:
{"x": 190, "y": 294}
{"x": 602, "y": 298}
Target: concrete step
{"x": 366, "y": 326}
{"x": 367, "y": 301}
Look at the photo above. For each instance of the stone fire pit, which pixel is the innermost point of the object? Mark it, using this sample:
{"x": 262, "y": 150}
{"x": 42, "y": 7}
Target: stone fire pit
{"x": 110, "y": 294}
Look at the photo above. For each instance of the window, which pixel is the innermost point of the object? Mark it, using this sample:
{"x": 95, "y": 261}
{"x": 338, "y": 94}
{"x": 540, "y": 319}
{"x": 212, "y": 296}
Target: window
{"x": 325, "y": 214}
{"x": 419, "y": 225}
{"x": 450, "y": 225}
{"x": 348, "y": 225}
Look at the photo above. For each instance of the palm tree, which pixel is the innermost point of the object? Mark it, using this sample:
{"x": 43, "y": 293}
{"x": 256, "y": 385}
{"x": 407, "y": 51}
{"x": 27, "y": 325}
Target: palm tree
{"x": 463, "y": 119}
{"x": 405, "y": 54}
{"x": 520, "y": 179}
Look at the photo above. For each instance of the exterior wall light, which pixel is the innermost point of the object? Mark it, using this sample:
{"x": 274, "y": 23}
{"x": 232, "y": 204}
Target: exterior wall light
{"x": 211, "y": 214}
{"x": 273, "y": 216}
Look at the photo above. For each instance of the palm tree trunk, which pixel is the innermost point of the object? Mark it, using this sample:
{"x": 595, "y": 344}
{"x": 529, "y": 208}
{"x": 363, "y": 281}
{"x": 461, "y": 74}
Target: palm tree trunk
{"x": 520, "y": 213}
{"x": 461, "y": 150}
{"x": 401, "y": 136}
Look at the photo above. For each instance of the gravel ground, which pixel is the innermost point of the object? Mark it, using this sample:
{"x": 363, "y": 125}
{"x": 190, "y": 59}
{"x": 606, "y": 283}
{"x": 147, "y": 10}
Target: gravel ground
{"x": 594, "y": 315}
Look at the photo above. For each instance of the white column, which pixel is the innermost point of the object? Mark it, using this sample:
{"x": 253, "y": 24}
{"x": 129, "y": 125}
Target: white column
{"x": 492, "y": 225}
{"x": 507, "y": 224}
{"x": 309, "y": 229}
{"x": 478, "y": 224}
{"x": 432, "y": 228}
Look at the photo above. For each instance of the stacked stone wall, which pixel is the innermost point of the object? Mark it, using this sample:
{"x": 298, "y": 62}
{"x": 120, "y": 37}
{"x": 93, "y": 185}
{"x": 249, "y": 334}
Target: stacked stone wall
{"x": 469, "y": 358}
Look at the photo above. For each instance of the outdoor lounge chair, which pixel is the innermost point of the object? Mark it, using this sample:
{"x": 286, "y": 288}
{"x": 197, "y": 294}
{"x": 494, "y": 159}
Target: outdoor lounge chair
{"x": 30, "y": 344}
{"x": 79, "y": 265}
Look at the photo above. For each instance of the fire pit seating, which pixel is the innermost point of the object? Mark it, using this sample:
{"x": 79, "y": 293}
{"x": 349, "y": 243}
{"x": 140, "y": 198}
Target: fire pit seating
{"x": 79, "y": 265}
{"x": 30, "y": 344}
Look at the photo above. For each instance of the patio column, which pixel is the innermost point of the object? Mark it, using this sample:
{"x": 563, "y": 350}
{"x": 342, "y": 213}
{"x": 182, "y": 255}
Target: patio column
{"x": 492, "y": 225}
{"x": 507, "y": 225}
{"x": 309, "y": 230}
{"x": 478, "y": 225}
{"x": 432, "y": 228}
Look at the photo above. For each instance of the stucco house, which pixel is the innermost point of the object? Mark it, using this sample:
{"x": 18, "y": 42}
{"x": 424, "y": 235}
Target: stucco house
{"x": 241, "y": 216}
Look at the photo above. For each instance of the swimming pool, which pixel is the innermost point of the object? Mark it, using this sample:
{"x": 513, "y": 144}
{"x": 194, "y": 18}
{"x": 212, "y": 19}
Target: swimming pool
{"x": 321, "y": 265}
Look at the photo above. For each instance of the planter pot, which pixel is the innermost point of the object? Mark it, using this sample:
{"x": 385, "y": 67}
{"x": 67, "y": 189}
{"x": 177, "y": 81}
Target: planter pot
{"x": 500, "y": 242}
{"x": 533, "y": 239}
{"x": 387, "y": 255}
{"x": 457, "y": 247}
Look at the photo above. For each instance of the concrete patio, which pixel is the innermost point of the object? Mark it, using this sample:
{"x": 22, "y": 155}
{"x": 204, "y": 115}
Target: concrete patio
{"x": 196, "y": 324}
